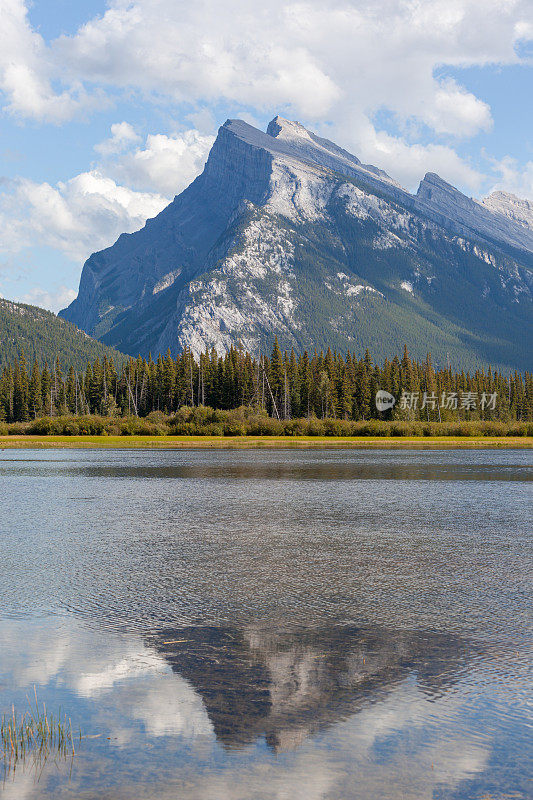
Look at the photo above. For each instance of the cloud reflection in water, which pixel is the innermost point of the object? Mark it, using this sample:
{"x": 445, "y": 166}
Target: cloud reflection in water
{"x": 207, "y": 712}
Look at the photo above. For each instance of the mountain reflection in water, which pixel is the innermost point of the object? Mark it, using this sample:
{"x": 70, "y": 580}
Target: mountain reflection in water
{"x": 223, "y": 712}
{"x": 287, "y": 684}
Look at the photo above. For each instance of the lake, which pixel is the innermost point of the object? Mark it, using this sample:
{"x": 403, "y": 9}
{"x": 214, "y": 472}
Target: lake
{"x": 271, "y": 625}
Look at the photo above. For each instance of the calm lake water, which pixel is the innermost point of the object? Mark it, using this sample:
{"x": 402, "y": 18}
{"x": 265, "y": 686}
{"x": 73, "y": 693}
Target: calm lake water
{"x": 259, "y": 625}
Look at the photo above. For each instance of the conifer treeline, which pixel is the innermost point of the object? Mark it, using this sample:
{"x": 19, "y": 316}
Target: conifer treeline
{"x": 285, "y": 385}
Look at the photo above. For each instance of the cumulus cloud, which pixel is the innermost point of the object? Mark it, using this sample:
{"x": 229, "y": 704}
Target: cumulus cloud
{"x": 337, "y": 67}
{"x": 28, "y": 72}
{"x": 204, "y": 50}
{"x": 404, "y": 161}
{"x": 122, "y": 136}
{"x": 77, "y": 217}
{"x": 88, "y": 212}
{"x": 132, "y": 182}
{"x": 302, "y": 55}
{"x": 513, "y": 177}
{"x": 166, "y": 164}
{"x": 319, "y": 62}
{"x": 52, "y": 300}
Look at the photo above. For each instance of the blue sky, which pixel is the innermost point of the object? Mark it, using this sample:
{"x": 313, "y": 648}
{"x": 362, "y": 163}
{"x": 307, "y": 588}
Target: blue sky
{"x": 108, "y": 109}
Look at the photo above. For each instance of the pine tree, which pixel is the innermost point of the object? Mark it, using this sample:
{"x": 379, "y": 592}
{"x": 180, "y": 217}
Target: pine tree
{"x": 35, "y": 400}
{"x": 277, "y": 374}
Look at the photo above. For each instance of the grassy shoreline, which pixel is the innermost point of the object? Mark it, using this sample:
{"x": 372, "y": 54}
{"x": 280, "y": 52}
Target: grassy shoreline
{"x": 262, "y": 442}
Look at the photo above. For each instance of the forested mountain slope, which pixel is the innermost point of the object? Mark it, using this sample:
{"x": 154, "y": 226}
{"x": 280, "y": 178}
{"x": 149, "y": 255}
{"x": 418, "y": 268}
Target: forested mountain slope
{"x": 42, "y": 336}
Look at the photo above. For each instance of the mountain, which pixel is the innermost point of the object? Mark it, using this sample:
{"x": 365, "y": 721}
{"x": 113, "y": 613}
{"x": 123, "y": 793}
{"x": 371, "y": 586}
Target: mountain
{"x": 512, "y": 207}
{"x": 40, "y": 335}
{"x": 285, "y": 233}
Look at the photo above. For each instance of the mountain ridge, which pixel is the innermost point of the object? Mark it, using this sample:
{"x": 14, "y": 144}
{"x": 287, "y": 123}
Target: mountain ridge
{"x": 254, "y": 248}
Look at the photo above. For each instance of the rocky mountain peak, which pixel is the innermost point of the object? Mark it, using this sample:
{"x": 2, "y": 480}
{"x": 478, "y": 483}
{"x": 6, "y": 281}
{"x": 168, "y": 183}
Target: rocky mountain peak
{"x": 448, "y": 205}
{"x": 290, "y": 140}
{"x": 515, "y": 208}
{"x": 433, "y": 187}
{"x": 287, "y": 129}
{"x": 287, "y": 234}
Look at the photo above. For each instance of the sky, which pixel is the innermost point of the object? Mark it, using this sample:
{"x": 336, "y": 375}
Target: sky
{"x": 109, "y": 109}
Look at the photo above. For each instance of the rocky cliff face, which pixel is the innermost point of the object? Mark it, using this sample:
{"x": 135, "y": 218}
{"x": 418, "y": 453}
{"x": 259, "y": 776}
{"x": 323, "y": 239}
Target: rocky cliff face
{"x": 287, "y": 234}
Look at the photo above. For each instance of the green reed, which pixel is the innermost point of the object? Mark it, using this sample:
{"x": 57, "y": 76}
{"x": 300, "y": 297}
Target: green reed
{"x": 35, "y": 733}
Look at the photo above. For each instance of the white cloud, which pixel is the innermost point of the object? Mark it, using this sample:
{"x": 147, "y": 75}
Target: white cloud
{"x": 28, "y": 71}
{"x": 336, "y": 66}
{"x": 513, "y": 177}
{"x": 166, "y": 164}
{"x": 337, "y": 62}
{"x": 306, "y": 57}
{"x": 77, "y": 217}
{"x": 52, "y": 300}
{"x": 314, "y": 61}
{"x": 378, "y": 53}
{"x": 457, "y": 111}
{"x": 203, "y": 50}
{"x": 405, "y": 162}
{"x": 122, "y": 136}
{"x": 89, "y": 211}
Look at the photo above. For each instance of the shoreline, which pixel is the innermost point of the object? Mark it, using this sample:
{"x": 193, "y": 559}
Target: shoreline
{"x": 263, "y": 442}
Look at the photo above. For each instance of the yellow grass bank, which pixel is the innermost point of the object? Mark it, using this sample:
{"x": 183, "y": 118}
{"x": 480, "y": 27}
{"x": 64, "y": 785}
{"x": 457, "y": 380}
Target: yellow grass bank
{"x": 265, "y": 442}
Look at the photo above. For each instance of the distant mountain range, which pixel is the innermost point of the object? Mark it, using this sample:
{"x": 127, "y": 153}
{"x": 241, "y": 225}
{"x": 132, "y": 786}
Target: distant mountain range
{"x": 42, "y": 336}
{"x": 284, "y": 233}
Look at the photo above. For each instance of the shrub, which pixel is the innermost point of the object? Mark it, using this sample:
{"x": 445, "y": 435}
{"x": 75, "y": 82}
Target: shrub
{"x": 138, "y": 426}
{"x": 295, "y": 427}
{"x": 213, "y": 429}
{"x": 315, "y": 427}
{"x": 233, "y": 428}
{"x": 493, "y": 428}
{"x": 335, "y": 427}
{"x": 157, "y": 417}
{"x": 400, "y": 429}
{"x": 71, "y": 429}
{"x": 40, "y": 427}
{"x": 518, "y": 429}
{"x": 17, "y": 428}
{"x": 264, "y": 426}
{"x": 246, "y": 420}
{"x": 371, "y": 429}
{"x": 183, "y": 414}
